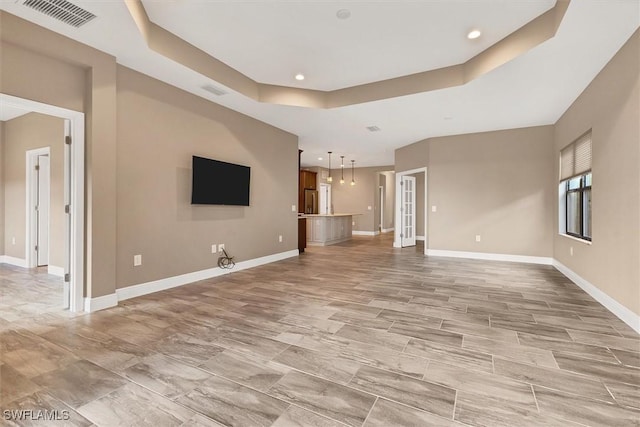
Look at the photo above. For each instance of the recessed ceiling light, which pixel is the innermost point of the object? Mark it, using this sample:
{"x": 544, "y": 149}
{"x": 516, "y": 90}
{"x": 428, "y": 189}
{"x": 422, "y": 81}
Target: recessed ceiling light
{"x": 299, "y": 76}
{"x": 474, "y": 34}
{"x": 448, "y": 118}
{"x": 343, "y": 14}
{"x": 319, "y": 158}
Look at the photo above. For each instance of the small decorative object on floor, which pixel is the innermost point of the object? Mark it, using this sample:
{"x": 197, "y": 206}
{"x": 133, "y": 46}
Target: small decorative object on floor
{"x": 226, "y": 261}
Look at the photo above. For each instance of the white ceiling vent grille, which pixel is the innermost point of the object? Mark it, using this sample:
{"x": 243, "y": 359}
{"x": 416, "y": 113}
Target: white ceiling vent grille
{"x": 62, "y": 10}
{"x": 373, "y": 128}
{"x": 214, "y": 90}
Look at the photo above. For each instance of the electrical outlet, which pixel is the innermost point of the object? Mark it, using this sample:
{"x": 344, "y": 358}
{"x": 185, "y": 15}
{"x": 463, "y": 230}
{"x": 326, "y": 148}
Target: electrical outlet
{"x": 477, "y": 237}
{"x": 280, "y": 238}
{"x": 294, "y": 208}
{"x": 13, "y": 240}
{"x": 571, "y": 251}
{"x": 214, "y": 249}
{"x": 368, "y": 208}
{"x": 137, "y": 260}
{"x": 220, "y": 247}
{"x": 353, "y": 223}
{"x": 434, "y": 208}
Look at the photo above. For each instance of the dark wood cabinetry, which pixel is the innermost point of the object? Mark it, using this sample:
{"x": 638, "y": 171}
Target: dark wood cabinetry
{"x": 302, "y": 234}
{"x": 307, "y": 181}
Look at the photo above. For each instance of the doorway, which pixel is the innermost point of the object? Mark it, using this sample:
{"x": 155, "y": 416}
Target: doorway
{"x": 325, "y": 199}
{"x": 407, "y": 199}
{"x": 39, "y": 200}
{"x": 37, "y": 233}
{"x": 381, "y": 207}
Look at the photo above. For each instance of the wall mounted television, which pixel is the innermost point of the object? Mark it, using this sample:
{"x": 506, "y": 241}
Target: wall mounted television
{"x": 219, "y": 183}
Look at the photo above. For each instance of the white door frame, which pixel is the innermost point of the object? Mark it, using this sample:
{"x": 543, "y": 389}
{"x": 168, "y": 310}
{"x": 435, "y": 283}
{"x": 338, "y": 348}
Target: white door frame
{"x": 31, "y": 201}
{"x": 381, "y": 206}
{"x": 327, "y": 189}
{"x": 397, "y": 222}
{"x": 76, "y": 198}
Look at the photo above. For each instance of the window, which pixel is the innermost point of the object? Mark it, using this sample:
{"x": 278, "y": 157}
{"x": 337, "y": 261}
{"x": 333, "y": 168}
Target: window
{"x": 578, "y": 206}
{"x": 575, "y": 188}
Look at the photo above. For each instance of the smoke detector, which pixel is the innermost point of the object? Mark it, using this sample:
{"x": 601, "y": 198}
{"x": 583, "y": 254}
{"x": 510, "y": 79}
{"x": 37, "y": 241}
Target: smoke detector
{"x": 373, "y": 128}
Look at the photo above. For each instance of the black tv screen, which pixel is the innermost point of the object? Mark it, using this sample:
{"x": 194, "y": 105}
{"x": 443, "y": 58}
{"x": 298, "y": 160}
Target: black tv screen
{"x": 219, "y": 183}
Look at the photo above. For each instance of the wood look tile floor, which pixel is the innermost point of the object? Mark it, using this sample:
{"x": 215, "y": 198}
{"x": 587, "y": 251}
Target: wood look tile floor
{"x": 356, "y": 334}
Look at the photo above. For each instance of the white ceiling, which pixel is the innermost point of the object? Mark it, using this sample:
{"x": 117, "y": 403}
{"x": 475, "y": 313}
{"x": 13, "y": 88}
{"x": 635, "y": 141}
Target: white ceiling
{"x": 270, "y": 41}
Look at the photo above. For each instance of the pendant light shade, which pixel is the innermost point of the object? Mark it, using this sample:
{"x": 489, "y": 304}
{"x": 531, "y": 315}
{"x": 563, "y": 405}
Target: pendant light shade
{"x": 353, "y": 181}
{"x": 329, "y": 178}
{"x": 342, "y": 169}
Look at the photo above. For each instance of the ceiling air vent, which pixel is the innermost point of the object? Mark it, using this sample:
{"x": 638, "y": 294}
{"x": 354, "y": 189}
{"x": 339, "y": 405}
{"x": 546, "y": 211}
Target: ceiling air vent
{"x": 214, "y": 90}
{"x": 61, "y": 10}
{"x": 373, "y": 128}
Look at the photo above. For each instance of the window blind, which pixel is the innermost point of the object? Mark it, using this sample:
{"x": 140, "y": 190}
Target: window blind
{"x": 575, "y": 159}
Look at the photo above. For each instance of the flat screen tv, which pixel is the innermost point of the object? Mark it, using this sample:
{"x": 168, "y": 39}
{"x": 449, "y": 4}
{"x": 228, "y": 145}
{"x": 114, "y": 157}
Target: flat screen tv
{"x": 219, "y": 183}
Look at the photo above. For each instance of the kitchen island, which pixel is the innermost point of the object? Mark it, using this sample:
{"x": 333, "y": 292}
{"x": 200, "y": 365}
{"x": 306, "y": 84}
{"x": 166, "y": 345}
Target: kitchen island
{"x": 323, "y": 230}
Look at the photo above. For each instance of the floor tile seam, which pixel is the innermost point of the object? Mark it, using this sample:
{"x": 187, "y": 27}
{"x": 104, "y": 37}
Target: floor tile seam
{"x": 590, "y": 399}
{"x": 592, "y": 379}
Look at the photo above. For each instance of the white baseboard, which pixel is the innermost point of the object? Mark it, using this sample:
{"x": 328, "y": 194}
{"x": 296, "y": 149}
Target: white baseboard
{"x": 55, "y": 271}
{"x": 388, "y": 230}
{"x": 365, "y": 233}
{"x": 183, "y": 279}
{"x": 491, "y": 257}
{"x": 420, "y": 238}
{"x": 100, "y": 303}
{"x": 18, "y": 262}
{"x": 622, "y": 312}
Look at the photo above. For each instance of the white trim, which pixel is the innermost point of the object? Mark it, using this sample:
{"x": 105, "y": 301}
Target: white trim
{"x": 18, "y": 262}
{"x": 77, "y": 121}
{"x": 421, "y": 238}
{"x": 619, "y": 310}
{"x": 183, "y": 279}
{"x": 388, "y": 230}
{"x": 55, "y": 271}
{"x": 31, "y": 185}
{"x": 364, "y": 233}
{"x": 100, "y": 303}
{"x": 397, "y": 222}
{"x": 491, "y": 257}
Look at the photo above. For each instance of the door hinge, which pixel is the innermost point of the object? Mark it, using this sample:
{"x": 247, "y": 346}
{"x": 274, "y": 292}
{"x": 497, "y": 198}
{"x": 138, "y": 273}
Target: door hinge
{"x": 36, "y": 208}
{"x": 401, "y": 235}
{"x": 67, "y": 140}
{"x": 401, "y": 182}
{"x": 67, "y": 208}
{"x": 67, "y": 277}
{"x": 37, "y": 167}
{"x": 36, "y": 248}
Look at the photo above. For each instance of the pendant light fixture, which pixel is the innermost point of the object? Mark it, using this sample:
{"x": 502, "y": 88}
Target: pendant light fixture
{"x": 342, "y": 168}
{"x": 353, "y": 181}
{"x": 329, "y": 178}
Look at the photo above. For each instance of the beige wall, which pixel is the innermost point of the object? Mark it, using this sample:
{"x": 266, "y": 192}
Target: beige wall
{"x": 25, "y": 133}
{"x": 356, "y": 199}
{"x": 2, "y": 188}
{"x": 495, "y": 184}
{"x": 82, "y": 79}
{"x": 390, "y": 199}
{"x": 610, "y": 107}
{"x": 419, "y": 203}
{"x": 159, "y": 129}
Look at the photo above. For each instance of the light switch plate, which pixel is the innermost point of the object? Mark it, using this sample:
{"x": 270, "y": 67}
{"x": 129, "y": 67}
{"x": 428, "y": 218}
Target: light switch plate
{"x": 293, "y": 208}
{"x": 137, "y": 260}
{"x": 434, "y": 208}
